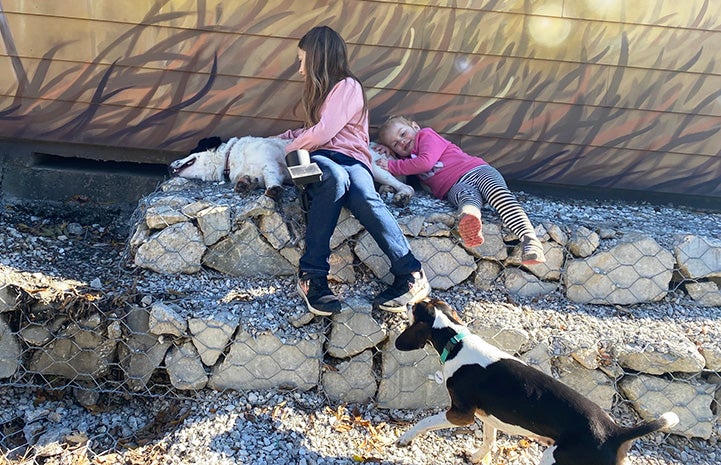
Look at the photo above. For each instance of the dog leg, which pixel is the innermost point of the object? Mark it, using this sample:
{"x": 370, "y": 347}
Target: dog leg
{"x": 273, "y": 178}
{"x": 483, "y": 453}
{"x": 246, "y": 184}
{"x": 434, "y": 422}
{"x": 384, "y": 189}
{"x": 547, "y": 458}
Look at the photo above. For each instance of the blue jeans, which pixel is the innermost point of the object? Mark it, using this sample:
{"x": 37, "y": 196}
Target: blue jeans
{"x": 347, "y": 182}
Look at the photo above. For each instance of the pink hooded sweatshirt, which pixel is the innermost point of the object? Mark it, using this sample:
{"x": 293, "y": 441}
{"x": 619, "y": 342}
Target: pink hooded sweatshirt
{"x": 343, "y": 125}
{"x": 438, "y": 163}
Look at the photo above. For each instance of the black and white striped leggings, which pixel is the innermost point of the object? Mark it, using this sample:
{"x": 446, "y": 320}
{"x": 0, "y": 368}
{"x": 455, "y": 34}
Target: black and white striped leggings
{"x": 485, "y": 183}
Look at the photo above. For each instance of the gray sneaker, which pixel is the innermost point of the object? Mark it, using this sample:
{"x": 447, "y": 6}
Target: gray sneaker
{"x": 406, "y": 289}
{"x": 532, "y": 251}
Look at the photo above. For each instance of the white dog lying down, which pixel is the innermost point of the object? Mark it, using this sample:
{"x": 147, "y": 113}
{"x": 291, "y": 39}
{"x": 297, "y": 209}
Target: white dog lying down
{"x": 248, "y": 162}
{"x": 251, "y": 162}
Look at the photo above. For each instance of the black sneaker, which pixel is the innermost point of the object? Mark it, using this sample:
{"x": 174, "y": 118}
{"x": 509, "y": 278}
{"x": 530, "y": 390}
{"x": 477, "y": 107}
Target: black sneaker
{"x": 318, "y": 296}
{"x": 406, "y": 289}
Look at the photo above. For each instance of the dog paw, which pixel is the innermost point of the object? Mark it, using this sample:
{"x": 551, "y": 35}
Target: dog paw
{"x": 274, "y": 192}
{"x": 404, "y": 441}
{"x": 246, "y": 184}
{"x": 401, "y": 200}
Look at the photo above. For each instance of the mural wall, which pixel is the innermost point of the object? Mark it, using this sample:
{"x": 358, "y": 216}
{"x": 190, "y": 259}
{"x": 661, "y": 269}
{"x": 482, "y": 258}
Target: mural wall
{"x": 597, "y": 93}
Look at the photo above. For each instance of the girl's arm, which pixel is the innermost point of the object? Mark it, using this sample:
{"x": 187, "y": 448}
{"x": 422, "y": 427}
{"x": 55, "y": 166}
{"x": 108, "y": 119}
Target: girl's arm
{"x": 290, "y": 133}
{"x": 429, "y": 148}
{"x": 343, "y": 102}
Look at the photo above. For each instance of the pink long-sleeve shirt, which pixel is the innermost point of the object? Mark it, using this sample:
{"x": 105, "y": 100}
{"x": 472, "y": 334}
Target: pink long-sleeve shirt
{"x": 343, "y": 125}
{"x": 438, "y": 162}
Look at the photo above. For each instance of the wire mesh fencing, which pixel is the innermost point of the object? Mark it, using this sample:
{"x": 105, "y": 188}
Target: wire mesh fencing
{"x": 208, "y": 303}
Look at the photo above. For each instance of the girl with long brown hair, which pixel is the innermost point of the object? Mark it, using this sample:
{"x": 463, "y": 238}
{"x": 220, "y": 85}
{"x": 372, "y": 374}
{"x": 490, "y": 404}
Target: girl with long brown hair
{"x": 336, "y": 135}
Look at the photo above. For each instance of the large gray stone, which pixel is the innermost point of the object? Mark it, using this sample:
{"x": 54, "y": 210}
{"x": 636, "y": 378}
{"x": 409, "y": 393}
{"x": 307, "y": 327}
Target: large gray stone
{"x": 8, "y": 297}
{"x": 583, "y": 242}
{"x": 274, "y": 230}
{"x": 246, "y": 253}
{"x": 412, "y": 225}
{"x": 691, "y": 401}
{"x": 341, "y": 265}
{"x": 141, "y": 353}
{"x": 507, "y": 339}
{"x": 9, "y": 351}
{"x": 408, "y": 379}
{"x": 705, "y": 293}
{"x": 184, "y": 368}
{"x": 525, "y": 284}
{"x": 698, "y": 257}
{"x": 175, "y": 249}
{"x": 487, "y": 272}
{"x": 266, "y": 362}
{"x": 165, "y": 319}
{"x": 592, "y": 384}
{"x": 446, "y": 263}
{"x": 556, "y": 233}
{"x": 354, "y": 330}
{"x": 674, "y": 353}
{"x": 352, "y": 380}
{"x": 212, "y": 335}
{"x": 552, "y": 268}
{"x": 78, "y": 352}
{"x": 493, "y": 247}
{"x": 214, "y": 223}
{"x": 632, "y": 272}
{"x": 160, "y": 216}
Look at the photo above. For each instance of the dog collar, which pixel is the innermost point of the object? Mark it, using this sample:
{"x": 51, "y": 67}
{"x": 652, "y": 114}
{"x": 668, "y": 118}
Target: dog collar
{"x": 226, "y": 168}
{"x": 451, "y": 344}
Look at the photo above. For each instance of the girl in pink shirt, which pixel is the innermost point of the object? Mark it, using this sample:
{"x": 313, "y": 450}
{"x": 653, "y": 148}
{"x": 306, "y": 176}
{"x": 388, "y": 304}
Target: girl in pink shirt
{"x": 466, "y": 181}
{"x": 336, "y": 135}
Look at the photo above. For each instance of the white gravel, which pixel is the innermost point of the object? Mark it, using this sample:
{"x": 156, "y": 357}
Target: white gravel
{"x": 278, "y": 427}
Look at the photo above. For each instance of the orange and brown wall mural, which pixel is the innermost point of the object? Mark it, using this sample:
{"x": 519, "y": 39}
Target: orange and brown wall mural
{"x": 609, "y": 94}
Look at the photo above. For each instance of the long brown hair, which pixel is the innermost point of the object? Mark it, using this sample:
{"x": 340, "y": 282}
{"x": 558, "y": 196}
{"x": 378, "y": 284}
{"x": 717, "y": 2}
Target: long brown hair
{"x": 326, "y": 64}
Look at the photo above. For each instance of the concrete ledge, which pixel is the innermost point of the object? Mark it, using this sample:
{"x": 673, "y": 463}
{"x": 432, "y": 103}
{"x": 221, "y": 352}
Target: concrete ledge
{"x": 58, "y": 172}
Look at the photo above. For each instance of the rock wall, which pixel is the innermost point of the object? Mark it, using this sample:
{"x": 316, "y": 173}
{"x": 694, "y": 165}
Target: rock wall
{"x": 203, "y": 236}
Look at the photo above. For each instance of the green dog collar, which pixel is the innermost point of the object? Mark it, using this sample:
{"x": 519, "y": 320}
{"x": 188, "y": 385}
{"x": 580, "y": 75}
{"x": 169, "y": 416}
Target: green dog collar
{"x": 450, "y": 345}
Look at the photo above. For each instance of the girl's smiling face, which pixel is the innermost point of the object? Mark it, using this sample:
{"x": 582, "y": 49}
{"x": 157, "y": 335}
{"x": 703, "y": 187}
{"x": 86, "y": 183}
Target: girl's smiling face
{"x": 400, "y": 137}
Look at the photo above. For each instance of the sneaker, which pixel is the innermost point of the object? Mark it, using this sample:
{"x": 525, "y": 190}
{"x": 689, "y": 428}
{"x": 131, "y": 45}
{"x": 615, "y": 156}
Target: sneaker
{"x": 406, "y": 289}
{"x": 318, "y": 297}
{"x": 532, "y": 251}
{"x": 469, "y": 228}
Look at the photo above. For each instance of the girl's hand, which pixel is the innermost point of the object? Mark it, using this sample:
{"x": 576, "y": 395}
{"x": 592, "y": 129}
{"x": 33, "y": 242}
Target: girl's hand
{"x": 383, "y": 163}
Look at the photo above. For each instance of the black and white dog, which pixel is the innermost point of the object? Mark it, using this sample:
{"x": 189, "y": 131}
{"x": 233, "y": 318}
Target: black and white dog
{"x": 248, "y": 162}
{"x": 508, "y": 395}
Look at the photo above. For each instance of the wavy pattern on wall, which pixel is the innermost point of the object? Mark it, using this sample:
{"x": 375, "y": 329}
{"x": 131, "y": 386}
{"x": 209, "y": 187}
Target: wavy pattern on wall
{"x": 626, "y": 98}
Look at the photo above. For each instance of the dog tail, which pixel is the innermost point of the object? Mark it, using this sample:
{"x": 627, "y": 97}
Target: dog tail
{"x": 664, "y": 422}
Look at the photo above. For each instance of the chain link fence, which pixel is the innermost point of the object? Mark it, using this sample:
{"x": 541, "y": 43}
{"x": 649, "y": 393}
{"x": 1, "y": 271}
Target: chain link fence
{"x": 206, "y": 303}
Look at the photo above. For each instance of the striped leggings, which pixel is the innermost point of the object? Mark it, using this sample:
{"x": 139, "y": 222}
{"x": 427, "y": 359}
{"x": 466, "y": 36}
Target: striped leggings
{"x": 485, "y": 183}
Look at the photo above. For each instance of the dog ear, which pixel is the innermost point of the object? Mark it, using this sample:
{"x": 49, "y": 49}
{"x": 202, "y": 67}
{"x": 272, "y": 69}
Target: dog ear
{"x": 208, "y": 143}
{"x": 414, "y": 336}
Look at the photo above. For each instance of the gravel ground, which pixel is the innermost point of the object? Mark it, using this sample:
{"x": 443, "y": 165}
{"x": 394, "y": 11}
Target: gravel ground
{"x": 82, "y": 244}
